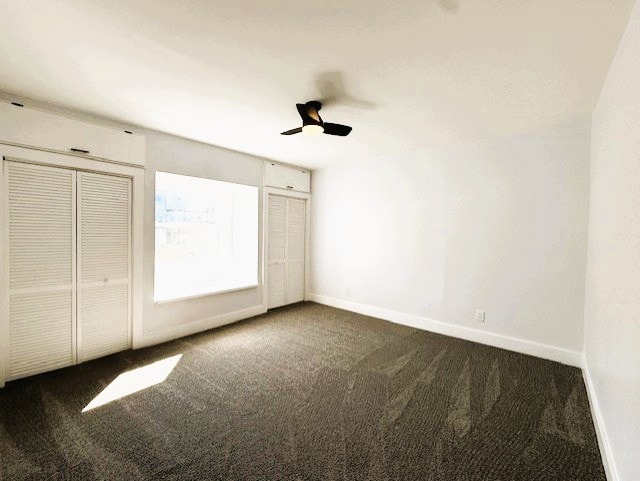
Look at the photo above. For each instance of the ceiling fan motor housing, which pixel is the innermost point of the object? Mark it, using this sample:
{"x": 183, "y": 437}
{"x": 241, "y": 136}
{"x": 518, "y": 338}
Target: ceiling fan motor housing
{"x": 312, "y": 116}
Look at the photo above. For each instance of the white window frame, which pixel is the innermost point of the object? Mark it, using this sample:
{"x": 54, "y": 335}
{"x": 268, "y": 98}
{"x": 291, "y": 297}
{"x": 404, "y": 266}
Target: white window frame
{"x": 222, "y": 291}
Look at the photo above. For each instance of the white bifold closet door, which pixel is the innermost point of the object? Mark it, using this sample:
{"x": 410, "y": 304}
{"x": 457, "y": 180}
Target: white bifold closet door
{"x": 42, "y": 274}
{"x": 295, "y": 250}
{"x": 69, "y": 266}
{"x": 286, "y": 251}
{"x": 103, "y": 264}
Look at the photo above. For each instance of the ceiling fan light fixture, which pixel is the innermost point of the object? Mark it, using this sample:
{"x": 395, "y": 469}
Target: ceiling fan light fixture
{"x": 312, "y": 129}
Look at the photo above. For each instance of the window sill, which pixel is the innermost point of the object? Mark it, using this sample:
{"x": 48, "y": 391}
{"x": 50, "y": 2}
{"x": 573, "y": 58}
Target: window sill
{"x": 206, "y": 294}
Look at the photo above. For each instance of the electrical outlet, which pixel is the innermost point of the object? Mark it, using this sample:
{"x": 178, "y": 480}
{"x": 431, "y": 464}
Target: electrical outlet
{"x": 479, "y": 315}
{"x": 347, "y": 292}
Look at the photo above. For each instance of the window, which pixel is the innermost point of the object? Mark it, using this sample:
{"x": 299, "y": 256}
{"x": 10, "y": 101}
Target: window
{"x": 206, "y": 236}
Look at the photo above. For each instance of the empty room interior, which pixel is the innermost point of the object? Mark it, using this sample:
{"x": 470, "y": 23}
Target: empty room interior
{"x": 295, "y": 240}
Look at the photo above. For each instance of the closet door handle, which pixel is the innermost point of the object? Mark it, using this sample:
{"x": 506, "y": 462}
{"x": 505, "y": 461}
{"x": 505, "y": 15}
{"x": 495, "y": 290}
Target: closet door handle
{"x": 78, "y": 151}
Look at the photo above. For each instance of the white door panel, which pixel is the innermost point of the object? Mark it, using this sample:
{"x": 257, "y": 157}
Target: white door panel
{"x": 295, "y": 281}
{"x": 295, "y": 250}
{"x": 276, "y": 291}
{"x": 42, "y": 278}
{"x": 277, "y": 229}
{"x": 104, "y": 206}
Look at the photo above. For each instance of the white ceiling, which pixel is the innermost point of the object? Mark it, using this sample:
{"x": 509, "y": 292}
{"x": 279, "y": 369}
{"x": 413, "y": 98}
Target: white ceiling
{"x": 416, "y": 73}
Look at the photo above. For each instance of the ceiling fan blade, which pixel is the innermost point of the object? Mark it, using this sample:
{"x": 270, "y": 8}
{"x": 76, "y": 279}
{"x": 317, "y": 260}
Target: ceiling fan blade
{"x": 302, "y": 110}
{"x": 336, "y": 129}
{"x": 292, "y": 131}
{"x": 309, "y": 112}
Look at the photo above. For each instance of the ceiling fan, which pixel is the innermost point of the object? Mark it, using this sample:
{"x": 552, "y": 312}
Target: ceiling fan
{"x": 313, "y": 124}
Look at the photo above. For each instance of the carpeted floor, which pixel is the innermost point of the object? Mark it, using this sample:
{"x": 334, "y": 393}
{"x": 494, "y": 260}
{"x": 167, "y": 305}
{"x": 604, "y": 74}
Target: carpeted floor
{"x": 302, "y": 393}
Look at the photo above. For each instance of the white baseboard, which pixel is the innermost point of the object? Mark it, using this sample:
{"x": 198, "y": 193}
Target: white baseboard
{"x": 601, "y": 432}
{"x": 174, "y": 332}
{"x": 545, "y": 351}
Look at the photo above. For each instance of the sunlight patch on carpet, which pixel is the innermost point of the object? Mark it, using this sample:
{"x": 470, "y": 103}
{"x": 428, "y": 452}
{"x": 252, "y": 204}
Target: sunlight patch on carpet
{"x": 135, "y": 380}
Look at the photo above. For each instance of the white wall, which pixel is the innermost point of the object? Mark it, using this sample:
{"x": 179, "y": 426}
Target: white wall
{"x": 499, "y": 226}
{"x": 612, "y": 326}
{"x": 167, "y": 153}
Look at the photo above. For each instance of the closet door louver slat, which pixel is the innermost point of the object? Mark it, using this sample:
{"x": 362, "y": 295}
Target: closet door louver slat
{"x": 41, "y": 268}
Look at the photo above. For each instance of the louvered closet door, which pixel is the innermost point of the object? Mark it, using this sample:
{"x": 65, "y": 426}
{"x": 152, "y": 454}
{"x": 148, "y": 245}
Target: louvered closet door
{"x": 286, "y": 250}
{"x": 104, "y": 206}
{"x": 277, "y": 250}
{"x": 41, "y": 268}
{"x": 295, "y": 250}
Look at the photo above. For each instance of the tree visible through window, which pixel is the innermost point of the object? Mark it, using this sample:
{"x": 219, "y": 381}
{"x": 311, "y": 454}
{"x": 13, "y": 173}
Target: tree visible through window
{"x": 206, "y": 236}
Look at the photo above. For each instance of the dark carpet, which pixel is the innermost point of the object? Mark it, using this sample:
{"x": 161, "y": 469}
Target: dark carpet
{"x": 303, "y": 393}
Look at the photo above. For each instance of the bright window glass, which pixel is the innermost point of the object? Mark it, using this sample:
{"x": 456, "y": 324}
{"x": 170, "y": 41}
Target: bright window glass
{"x": 206, "y": 236}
